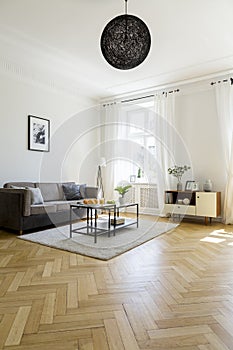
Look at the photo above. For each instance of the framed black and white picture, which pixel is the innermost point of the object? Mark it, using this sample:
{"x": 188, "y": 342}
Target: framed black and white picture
{"x": 38, "y": 134}
{"x": 189, "y": 185}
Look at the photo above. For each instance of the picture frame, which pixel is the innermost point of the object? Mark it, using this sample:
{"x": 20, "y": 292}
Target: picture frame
{"x": 189, "y": 185}
{"x": 132, "y": 178}
{"x": 38, "y": 134}
{"x": 196, "y": 186}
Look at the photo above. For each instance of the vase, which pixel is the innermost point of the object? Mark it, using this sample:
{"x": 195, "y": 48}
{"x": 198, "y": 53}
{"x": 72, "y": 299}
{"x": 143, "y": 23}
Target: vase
{"x": 207, "y": 187}
{"x": 122, "y": 200}
{"x": 179, "y": 186}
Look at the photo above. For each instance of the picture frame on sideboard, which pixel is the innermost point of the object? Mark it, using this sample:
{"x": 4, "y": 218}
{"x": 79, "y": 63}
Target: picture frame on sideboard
{"x": 189, "y": 185}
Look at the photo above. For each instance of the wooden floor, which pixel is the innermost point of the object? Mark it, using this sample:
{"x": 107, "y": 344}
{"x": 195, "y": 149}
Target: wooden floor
{"x": 174, "y": 292}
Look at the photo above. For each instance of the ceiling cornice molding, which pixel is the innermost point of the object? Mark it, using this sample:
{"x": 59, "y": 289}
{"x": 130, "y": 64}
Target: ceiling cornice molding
{"x": 38, "y": 78}
{"x": 40, "y": 66}
{"x": 65, "y": 42}
{"x": 35, "y": 62}
{"x": 186, "y": 86}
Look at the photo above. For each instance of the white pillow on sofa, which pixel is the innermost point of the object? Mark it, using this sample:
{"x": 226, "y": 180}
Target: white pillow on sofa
{"x": 36, "y": 196}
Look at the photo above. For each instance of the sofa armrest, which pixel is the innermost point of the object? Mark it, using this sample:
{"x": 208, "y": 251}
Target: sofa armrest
{"x": 91, "y": 192}
{"x": 15, "y": 202}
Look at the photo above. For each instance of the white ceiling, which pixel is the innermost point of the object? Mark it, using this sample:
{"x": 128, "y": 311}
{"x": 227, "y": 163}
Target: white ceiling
{"x": 190, "y": 38}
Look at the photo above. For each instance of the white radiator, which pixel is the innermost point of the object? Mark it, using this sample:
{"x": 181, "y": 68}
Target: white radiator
{"x": 146, "y": 195}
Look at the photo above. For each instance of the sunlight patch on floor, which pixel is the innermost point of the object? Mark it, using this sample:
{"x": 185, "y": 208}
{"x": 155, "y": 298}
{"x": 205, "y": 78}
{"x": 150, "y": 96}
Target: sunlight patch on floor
{"x": 219, "y": 236}
{"x": 222, "y": 233}
{"x": 212, "y": 240}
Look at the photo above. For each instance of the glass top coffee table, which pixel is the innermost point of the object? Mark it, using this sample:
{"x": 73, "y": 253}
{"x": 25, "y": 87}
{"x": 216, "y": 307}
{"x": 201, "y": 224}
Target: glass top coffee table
{"x": 94, "y": 227}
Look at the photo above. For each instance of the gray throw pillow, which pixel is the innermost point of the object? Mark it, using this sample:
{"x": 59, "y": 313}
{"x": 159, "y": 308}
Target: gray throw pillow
{"x": 36, "y": 196}
{"x": 72, "y": 191}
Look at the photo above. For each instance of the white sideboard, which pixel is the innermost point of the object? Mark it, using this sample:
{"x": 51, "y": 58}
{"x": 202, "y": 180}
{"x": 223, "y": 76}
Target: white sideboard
{"x": 206, "y": 204}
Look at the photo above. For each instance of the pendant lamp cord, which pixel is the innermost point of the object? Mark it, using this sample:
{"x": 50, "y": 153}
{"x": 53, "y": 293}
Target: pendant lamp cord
{"x": 126, "y": 21}
{"x": 126, "y": 7}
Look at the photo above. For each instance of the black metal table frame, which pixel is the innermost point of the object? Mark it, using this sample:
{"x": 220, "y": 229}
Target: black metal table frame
{"x": 91, "y": 225}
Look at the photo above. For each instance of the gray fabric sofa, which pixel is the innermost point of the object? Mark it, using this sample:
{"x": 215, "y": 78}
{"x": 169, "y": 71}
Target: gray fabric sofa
{"x": 17, "y": 211}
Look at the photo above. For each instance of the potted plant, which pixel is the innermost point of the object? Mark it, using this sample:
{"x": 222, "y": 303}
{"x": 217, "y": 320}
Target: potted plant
{"x": 178, "y": 172}
{"x": 122, "y": 190}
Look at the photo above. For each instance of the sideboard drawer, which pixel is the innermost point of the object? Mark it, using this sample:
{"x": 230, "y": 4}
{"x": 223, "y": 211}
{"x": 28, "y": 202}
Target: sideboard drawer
{"x": 180, "y": 209}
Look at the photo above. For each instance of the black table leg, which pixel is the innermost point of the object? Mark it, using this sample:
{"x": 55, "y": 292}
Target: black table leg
{"x": 109, "y": 222}
{"x": 88, "y": 220}
{"x": 114, "y": 220}
{"x": 95, "y": 225}
{"x": 71, "y": 222}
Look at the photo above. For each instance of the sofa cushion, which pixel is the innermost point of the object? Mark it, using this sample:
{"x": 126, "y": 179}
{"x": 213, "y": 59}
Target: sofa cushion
{"x": 62, "y": 205}
{"x": 72, "y": 191}
{"x": 50, "y": 191}
{"x": 91, "y": 192}
{"x": 43, "y": 209}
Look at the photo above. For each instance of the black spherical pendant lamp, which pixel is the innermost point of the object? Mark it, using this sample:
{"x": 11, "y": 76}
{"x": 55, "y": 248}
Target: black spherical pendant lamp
{"x": 125, "y": 41}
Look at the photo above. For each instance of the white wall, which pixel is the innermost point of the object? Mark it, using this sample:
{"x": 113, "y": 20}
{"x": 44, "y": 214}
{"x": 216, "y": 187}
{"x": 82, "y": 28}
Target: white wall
{"x": 74, "y": 130}
{"x": 196, "y": 120}
{"x": 20, "y": 98}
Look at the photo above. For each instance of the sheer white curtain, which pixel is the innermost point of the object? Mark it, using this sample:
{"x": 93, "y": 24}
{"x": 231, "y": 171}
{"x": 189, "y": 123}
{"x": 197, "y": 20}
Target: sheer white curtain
{"x": 164, "y": 108}
{"x": 224, "y": 101}
{"x": 109, "y": 144}
{"x": 116, "y": 146}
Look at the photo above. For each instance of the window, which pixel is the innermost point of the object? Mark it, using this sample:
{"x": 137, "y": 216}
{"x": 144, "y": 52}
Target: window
{"x": 135, "y": 127}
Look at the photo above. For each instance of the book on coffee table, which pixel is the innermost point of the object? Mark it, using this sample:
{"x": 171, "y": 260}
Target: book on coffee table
{"x": 119, "y": 220}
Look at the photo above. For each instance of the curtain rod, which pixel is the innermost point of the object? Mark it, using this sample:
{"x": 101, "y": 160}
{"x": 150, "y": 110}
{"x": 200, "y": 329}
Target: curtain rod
{"x": 147, "y": 96}
{"x": 221, "y": 81}
{"x": 137, "y": 98}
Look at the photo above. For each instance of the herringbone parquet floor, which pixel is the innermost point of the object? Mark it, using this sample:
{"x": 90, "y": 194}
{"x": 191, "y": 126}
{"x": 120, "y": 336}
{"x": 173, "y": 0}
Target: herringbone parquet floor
{"x": 174, "y": 292}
